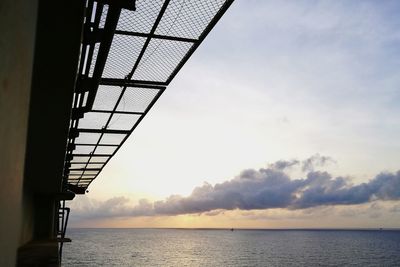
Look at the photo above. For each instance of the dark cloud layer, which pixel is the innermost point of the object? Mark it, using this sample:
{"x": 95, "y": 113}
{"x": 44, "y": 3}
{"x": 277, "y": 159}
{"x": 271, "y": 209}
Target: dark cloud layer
{"x": 269, "y": 188}
{"x": 266, "y": 188}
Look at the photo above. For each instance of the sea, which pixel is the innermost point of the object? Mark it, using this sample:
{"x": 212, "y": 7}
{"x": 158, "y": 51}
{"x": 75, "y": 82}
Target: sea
{"x": 223, "y": 247}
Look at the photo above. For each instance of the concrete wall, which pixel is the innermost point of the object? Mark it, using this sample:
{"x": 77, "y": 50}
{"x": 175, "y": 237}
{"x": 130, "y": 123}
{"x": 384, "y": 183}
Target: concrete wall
{"x": 57, "y": 49}
{"x": 17, "y": 28}
{"x": 27, "y": 218}
{"x": 39, "y": 55}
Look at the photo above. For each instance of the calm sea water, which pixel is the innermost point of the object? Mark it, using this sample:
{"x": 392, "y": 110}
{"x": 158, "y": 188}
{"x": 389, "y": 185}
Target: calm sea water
{"x": 178, "y": 247}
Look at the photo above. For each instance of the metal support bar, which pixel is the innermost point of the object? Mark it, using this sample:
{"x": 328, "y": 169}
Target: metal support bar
{"x": 127, "y": 4}
{"x": 91, "y": 176}
{"x": 71, "y": 147}
{"x": 73, "y": 133}
{"x": 117, "y": 112}
{"x": 103, "y": 131}
{"x": 95, "y": 145}
{"x": 77, "y": 113}
{"x": 76, "y": 189}
{"x": 133, "y": 83}
{"x": 83, "y": 84}
{"x": 88, "y": 163}
{"x": 92, "y": 155}
{"x": 86, "y": 169}
{"x": 164, "y": 37}
{"x": 111, "y": 23}
{"x": 93, "y": 35}
{"x": 80, "y": 179}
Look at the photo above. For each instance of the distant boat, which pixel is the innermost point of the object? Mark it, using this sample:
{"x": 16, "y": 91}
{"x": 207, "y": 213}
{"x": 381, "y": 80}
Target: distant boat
{"x": 231, "y": 229}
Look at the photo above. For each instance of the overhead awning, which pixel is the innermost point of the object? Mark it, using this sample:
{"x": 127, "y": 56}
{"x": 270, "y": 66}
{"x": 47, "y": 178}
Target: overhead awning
{"x": 130, "y": 53}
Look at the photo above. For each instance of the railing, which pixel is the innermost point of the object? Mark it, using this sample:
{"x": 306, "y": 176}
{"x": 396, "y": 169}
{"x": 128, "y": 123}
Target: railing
{"x": 62, "y": 222}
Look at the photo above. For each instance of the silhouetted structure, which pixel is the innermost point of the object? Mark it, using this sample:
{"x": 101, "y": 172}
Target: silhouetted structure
{"x": 86, "y": 72}
{"x": 129, "y": 55}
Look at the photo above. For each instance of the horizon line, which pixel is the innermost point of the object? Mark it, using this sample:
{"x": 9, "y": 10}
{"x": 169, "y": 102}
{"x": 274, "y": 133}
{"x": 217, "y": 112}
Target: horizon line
{"x": 260, "y": 229}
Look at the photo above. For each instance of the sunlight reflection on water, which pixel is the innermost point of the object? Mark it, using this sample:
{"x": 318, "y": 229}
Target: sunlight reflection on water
{"x": 175, "y": 247}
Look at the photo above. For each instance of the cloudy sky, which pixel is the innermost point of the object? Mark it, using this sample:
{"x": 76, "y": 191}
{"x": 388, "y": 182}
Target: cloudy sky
{"x": 286, "y": 116}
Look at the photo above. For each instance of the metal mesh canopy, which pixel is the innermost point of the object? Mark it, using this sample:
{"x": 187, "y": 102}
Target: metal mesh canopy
{"x": 130, "y": 52}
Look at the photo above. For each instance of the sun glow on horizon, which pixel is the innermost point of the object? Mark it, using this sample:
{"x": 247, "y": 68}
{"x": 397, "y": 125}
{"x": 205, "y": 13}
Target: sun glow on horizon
{"x": 264, "y": 88}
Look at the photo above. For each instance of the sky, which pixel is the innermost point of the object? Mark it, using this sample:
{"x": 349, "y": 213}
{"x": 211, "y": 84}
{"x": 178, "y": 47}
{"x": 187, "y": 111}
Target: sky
{"x": 286, "y": 116}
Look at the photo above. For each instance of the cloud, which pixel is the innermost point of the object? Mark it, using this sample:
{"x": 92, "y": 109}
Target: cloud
{"x": 91, "y": 208}
{"x": 263, "y": 189}
{"x": 373, "y": 211}
{"x": 284, "y": 164}
{"x": 306, "y": 165}
{"x": 315, "y": 161}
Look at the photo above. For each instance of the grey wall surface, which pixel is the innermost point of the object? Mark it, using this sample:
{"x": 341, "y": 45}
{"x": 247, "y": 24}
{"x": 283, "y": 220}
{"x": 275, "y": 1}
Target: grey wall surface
{"x": 17, "y": 28}
{"x": 56, "y": 58}
{"x": 39, "y": 55}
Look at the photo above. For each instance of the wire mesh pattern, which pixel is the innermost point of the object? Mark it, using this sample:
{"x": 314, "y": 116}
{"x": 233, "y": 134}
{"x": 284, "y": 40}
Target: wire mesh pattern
{"x": 136, "y": 100}
{"x": 131, "y": 50}
{"x": 106, "y": 97}
{"x": 123, "y": 54}
{"x": 103, "y": 17}
{"x": 187, "y": 18}
{"x": 160, "y": 59}
{"x": 141, "y": 20}
{"x": 94, "y": 120}
{"x": 95, "y": 52}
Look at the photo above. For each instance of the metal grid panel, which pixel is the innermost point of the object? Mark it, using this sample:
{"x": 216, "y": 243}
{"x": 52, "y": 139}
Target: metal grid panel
{"x": 106, "y": 97}
{"x": 188, "y": 18}
{"x": 123, "y": 121}
{"x": 87, "y": 138}
{"x": 95, "y": 165}
{"x": 78, "y": 166}
{"x": 91, "y": 173}
{"x": 160, "y": 59}
{"x": 136, "y": 99}
{"x": 94, "y": 59}
{"x": 98, "y": 159}
{"x": 128, "y": 58}
{"x": 123, "y": 54}
{"x": 109, "y": 150}
{"x": 112, "y": 139}
{"x": 103, "y": 17}
{"x": 142, "y": 19}
{"x": 84, "y": 149}
{"x": 94, "y": 120}
{"x": 80, "y": 159}
{"x": 72, "y": 172}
